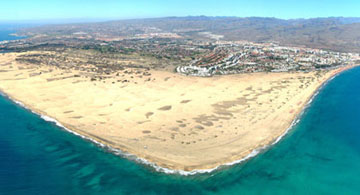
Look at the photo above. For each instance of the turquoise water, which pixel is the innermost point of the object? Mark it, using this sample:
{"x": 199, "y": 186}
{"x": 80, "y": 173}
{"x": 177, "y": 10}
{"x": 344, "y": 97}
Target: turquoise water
{"x": 320, "y": 155}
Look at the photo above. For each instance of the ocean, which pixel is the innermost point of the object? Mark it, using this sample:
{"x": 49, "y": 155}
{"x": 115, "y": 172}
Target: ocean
{"x": 5, "y": 33}
{"x": 320, "y": 155}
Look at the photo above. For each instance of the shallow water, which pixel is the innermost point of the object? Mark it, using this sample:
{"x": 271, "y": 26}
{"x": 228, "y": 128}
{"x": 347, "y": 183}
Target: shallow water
{"x": 320, "y": 155}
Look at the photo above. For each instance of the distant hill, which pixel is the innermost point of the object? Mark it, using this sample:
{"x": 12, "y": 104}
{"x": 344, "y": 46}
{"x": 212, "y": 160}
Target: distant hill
{"x": 334, "y": 33}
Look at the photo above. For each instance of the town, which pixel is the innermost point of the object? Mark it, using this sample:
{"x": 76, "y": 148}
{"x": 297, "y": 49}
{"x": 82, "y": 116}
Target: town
{"x": 171, "y": 52}
{"x": 246, "y": 57}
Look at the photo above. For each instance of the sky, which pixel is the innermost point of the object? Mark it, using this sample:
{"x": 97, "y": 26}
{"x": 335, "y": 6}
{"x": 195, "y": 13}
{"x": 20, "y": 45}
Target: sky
{"x": 47, "y": 10}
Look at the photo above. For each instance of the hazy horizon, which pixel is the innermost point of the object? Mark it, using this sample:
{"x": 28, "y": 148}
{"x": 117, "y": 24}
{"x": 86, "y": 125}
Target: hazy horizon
{"x": 95, "y": 10}
{"x": 91, "y": 20}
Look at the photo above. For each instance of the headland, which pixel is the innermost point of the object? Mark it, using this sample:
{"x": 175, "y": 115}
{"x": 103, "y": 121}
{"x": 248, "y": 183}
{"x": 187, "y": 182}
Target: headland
{"x": 174, "y": 121}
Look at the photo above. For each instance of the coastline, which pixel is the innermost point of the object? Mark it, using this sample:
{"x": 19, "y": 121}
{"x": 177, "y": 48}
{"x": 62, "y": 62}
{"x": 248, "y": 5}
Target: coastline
{"x": 143, "y": 161}
{"x": 158, "y": 168}
{"x": 130, "y": 155}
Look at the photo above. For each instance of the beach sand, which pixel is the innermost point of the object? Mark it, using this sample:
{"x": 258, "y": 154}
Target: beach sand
{"x": 174, "y": 121}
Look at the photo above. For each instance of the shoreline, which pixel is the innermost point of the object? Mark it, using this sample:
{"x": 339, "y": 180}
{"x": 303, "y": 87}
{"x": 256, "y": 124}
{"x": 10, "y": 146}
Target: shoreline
{"x": 159, "y": 168}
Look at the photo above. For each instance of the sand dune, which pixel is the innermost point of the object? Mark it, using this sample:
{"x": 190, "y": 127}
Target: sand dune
{"x": 175, "y": 121}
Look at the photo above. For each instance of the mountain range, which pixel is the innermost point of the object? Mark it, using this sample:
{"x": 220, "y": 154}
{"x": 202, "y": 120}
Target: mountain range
{"x": 334, "y": 33}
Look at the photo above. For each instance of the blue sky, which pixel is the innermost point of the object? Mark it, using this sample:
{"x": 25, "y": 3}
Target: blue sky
{"x": 122, "y": 9}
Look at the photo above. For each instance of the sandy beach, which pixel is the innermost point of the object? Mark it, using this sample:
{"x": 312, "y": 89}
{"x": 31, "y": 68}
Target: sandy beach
{"x": 174, "y": 121}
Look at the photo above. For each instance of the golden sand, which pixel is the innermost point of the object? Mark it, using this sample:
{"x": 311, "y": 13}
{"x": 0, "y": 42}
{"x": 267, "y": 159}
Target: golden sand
{"x": 177, "y": 122}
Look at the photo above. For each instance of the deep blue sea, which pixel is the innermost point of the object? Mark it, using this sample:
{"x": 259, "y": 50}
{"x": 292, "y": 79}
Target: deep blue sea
{"x": 320, "y": 155}
{"x": 5, "y": 33}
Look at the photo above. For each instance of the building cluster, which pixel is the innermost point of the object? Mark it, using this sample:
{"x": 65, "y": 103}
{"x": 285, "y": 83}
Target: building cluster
{"x": 195, "y": 57}
{"x": 245, "y": 57}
